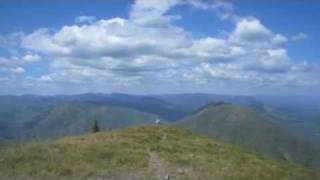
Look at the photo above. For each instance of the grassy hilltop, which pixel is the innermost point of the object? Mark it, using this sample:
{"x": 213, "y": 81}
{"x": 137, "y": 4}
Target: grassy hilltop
{"x": 146, "y": 152}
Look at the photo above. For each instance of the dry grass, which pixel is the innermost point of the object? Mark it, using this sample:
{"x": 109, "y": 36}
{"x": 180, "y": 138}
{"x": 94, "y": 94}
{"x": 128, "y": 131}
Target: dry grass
{"x": 126, "y": 153}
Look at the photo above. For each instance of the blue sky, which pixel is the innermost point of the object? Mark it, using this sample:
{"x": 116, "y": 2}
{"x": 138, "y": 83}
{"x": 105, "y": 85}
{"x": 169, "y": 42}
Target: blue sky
{"x": 153, "y": 46}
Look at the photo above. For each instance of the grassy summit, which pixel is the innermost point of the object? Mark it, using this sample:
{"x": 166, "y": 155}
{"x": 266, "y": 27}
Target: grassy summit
{"x": 147, "y": 152}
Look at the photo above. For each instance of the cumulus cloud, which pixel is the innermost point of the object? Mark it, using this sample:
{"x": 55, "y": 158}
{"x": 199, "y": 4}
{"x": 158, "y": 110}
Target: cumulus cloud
{"x": 11, "y": 66}
{"x": 300, "y": 36}
{"x": 31, "y": 58}
{"x": 250, "y": 30}
{"x": 147, "y": 49}
{"x": 84, "y": 19}
{"x": 17, "y": 70}
{"x": 279, "y": 39}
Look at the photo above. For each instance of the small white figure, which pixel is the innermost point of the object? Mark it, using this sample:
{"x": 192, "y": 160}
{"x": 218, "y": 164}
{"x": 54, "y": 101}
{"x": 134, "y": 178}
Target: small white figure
{"x": 167, "y": 177}
{"x": 157, "y": 121}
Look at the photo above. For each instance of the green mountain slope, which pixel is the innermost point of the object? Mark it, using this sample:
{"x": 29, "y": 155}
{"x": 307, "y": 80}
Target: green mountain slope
{"x": 142, "y": 153}
{"x": 253, "y": 130}
{"x": 17, "y": 111}
{"x": 73, "y": 118}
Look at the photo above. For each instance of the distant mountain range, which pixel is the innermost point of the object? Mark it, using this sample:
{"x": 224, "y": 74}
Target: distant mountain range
{"x": 72, "y": 118}
{"x": 20, "y": 115}
{"x": 266, "y": 126}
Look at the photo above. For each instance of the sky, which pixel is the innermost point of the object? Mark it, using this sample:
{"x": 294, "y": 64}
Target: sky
{"x": 159, "y": 46}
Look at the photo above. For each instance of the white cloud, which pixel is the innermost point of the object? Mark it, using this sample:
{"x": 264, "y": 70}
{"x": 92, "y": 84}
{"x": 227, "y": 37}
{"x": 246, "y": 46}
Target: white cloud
{"x": 10, "y": 66}
{"x": 215, "y": 50}
{"x": 17, "y": 70}
{"x": 150, "y": 13}
{"x": 300, "y": 36}
{"x": 209, "y": 5}
{"x": 14, "y": 65}
{"x": 279, "y": 39}
{"x": 147, "y": 48}
{"x": 84, "y": 19}
{"x": 42, "y": 41}
{"x": 250, "y": 30}
{"x": 31, "y": 58}
{"x": 274, "y": 61}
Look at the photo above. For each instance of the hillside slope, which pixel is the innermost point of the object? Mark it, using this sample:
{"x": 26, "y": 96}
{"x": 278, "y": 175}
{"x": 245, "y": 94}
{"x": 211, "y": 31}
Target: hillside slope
{"x": 142, "y": 153}
{"x": 243, "y": 126}
{"x": 73, "y": 118}
{"x": 20, "y": 114}
{"x": 193, "y": 101}
{"x": 16, "y": 111}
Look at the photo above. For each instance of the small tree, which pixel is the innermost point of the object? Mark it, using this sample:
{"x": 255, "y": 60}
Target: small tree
{"x": 95, "y": 126}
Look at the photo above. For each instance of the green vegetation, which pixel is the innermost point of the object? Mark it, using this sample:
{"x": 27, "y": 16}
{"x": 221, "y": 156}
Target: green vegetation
{"x": 253, "y": 130}
{"x": 126, "y": 153}
{"x": 29, "y": 116}
{"x": 95, "y": 127}
{"x": 74, "y": 118}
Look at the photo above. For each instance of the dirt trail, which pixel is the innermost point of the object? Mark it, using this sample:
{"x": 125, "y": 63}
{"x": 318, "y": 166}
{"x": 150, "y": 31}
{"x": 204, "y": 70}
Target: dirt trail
{"x": 157, "y": 166}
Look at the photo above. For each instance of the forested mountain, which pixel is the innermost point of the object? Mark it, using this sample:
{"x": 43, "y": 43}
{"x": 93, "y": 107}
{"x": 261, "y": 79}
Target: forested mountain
{"x": 254, "y": 130}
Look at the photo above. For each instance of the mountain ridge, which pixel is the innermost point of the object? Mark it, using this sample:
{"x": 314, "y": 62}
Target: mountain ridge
{"x": 248, "y": 128}
{"x": 129, "y": 154}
